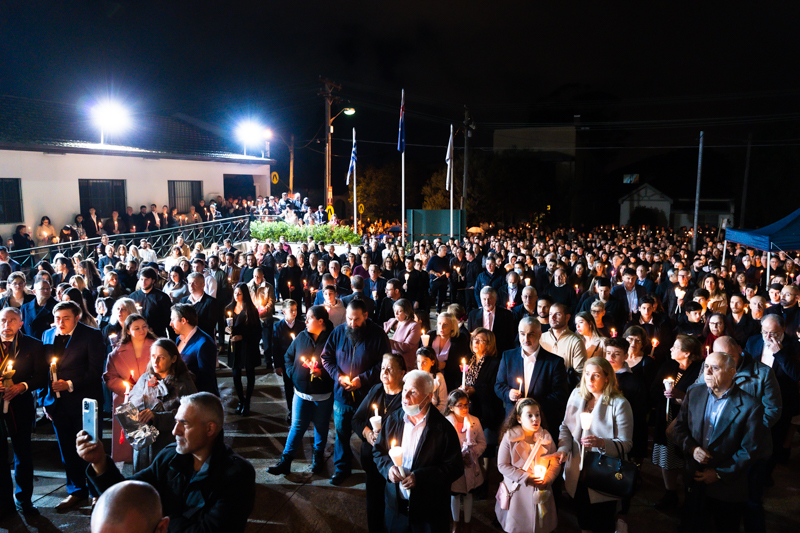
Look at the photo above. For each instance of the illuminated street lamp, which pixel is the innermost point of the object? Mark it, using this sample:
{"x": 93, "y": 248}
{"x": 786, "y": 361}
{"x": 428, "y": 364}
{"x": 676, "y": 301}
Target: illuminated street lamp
{"x": 110, "y": 117}
{"x": 253, "y": 134}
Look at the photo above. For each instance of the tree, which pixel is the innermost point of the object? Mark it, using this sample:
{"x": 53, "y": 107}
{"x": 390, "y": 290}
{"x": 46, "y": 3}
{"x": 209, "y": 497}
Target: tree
{"x": 378, "y": 191}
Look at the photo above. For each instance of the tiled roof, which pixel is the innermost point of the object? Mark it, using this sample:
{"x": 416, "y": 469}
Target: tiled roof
{"x": 27, "y": 124}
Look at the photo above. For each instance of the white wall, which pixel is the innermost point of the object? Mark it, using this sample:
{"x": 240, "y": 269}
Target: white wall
{"x": 50, "y": 182}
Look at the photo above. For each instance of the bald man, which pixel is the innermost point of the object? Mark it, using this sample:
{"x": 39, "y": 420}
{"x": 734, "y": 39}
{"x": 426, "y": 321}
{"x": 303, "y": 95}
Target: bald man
{"x": 129, "y": 507}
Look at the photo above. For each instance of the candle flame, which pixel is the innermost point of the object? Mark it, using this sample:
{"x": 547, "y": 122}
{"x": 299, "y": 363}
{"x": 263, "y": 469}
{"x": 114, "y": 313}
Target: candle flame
{"x": 54, "y": 360}
{"x": 394, "y": 443}
{"x": 519, "y": 380}
{"x": 127, "y": 387}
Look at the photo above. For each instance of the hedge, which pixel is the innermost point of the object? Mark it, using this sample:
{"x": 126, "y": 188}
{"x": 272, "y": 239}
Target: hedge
{"x": 329, "y": 234}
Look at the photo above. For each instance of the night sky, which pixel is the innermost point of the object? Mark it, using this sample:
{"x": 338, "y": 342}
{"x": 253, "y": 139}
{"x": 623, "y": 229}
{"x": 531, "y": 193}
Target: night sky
{"x": 650, "y": 75}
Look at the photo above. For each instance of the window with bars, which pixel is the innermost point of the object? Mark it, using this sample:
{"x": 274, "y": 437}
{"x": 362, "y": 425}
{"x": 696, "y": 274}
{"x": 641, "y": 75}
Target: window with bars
{"x": 183, "y": 194}
{"x": 10, "y": 200}
{"x": 104, "y": 195}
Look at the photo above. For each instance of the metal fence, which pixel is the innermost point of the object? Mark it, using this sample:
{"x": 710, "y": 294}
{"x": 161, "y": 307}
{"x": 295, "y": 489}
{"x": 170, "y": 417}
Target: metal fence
{"x": 162, "y": 241}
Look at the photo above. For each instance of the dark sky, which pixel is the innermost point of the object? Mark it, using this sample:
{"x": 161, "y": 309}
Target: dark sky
{"x": 512, "y": 62}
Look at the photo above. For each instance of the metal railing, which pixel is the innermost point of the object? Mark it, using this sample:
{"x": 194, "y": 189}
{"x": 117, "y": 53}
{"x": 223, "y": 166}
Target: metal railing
{"x": 162, "y": 241}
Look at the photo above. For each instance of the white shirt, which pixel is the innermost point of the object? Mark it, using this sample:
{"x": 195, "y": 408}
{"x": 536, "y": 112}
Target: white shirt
{"x": 488, "y": 319}
{"x": 185, "y": 339}
{"x": 528, "y": 362}
{"x": 767, "y": 356}
{"x": 633, "y": 302}
{"x": 411, "y": 437}
{"x": 211, "y": 284}
{"x": 148, "y": 255}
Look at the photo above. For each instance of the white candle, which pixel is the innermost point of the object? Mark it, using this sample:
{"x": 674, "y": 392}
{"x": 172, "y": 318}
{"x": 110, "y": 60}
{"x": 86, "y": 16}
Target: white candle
{"x": 527, "y": 282}
{"x": 54, "y": 373}
{"x": 586, "y": 423}
{"x": 519, "y": 380}
{"x": 127, "y": 392}
{"x": 426, "y": 339}
{"x": 464, "y": 369}
{"x": 468, "y": 430}
{"x": 8, "y": 382}
{"x": 396, "y": 454}
{"x": 668, "y": 384}
{"x": 375, "y": 407}
{"x": 539, "y": 472}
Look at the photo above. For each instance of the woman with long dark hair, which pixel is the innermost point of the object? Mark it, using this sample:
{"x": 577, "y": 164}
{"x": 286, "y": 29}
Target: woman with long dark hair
{"x": 245, "y": 336}
{"x": 74, "y": 295}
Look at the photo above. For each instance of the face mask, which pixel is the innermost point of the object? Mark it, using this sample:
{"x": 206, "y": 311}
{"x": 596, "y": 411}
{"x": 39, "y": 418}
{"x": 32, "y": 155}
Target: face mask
{"x": 518, "y": 271}
{"x": 412, "y": 410}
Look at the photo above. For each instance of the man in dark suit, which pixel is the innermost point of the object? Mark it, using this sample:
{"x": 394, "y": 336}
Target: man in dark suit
{"x": 92, "y": 224}
{"x": 510, "y": 291}
{"x": 779, "y": 351}
{"x": 543, "y": 374}
{"x": 393, "y": 293}
{"x": 498, "y": 320}
{"x": 26, "y": 354}
{"x": 139, "y": 221}
{"x": 341, "y": 281}
{"x": 197, "y": 348}
{"x": 528, "y": 305}
{"x": 629, "y": 295}
{"x": 114, "y": 225}
{"x": 207, "y": 308}
{"x": 152, "y": 303}
{"x": 719, "y": 431}
{"x": 37, "y": 315}
{"x": 491, "y": 277}
{"x": 357, "y": 283}
{"x": 431, "y": 460}
{"x": 80, "y": 356}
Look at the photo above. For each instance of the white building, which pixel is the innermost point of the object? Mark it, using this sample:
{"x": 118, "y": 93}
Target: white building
{"x": 52, "y": 164}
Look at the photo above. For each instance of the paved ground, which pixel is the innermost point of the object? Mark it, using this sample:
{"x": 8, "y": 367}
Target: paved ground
{"x": 305, "y": 503}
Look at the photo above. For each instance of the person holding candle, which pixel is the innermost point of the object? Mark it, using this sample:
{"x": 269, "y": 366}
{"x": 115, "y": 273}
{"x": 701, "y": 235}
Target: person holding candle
{"x": 611, "y": 422}
{"x": 428, "y": 459}
{"x": 640, "y": 364}
{"x": 45, "y": 232}
{"x": 510, "y": 295}
{"x": 530, "y": 371}
{"x": 127, "y": 361}
{"x": 154, "y": 303}
{"x": 157, "y": 393}
{"x": 407, "y": 332}
{"x": 284, "y": 333}
{"x": 382, "y": 400}
{"x": 79, "y": 353}
{"x": 473, "y": 444}
{"x": 352, "y": 358}
{"x": 245, "y": 338}
{"x": 27, "y": 355}
{"x": 532, "y": 508}
{"x": 450, "y": 345}
{"x": 290, "y": 280}
{"x": 682, "y": 370}
{"x": 426, "y": 361}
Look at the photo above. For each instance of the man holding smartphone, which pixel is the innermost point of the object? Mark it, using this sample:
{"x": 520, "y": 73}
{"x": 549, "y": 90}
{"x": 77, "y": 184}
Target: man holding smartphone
{"x": 79, "y": 353}
{"x": 25, "y": 356}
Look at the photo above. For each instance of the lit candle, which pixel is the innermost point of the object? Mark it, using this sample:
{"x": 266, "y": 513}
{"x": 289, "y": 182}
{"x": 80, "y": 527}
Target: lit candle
{"x": 510, "y": 304}
{"x": 132, "y": 379}
{"x": 577, "y": 290}
{"x": 654, "y": 342}
{"x": 527, "y": 282}
{"x": 8, "y": 382}
{"x": 468, "y": 431}
{"x": 668, "y": 384}
{"x": 708, "y": 350}
{"x": 54, "y": 373}
{"x": 407, "y": 274}
{"x": 291, "y": 335}
{"x": 305, "y": 284}
{"x": 127, "y": 392}
{"x": 375, "y": 407}
{"x": 396, "y": 454}
{"x": 613, "y": 332}
{"x": 586, "y": 424}
{"x": 112, "y": 338}
{"x": 539, "y": 472}
{"x": 464, "y": 368}
{"x": 519, "y": 380}
{"x": 426, "y": 338}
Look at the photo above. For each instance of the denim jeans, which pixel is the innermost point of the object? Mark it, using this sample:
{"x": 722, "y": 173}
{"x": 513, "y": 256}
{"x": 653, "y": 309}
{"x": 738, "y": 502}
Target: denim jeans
{"x": 343, "y": 421}
{"x": 304, "y": 413}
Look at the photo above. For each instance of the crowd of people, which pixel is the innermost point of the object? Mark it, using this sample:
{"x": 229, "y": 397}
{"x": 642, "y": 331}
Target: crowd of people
{"x": 516, "y": 358}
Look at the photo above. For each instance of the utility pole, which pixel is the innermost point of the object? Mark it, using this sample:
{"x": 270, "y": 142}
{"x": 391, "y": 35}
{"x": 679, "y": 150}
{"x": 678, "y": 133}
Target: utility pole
{"x": 291, "y": 163}
{"x": 697, "y": 193}
{"x": 469, "y": 125}
{"x": 746, "y": 176}
{"x": 327, "y": 94}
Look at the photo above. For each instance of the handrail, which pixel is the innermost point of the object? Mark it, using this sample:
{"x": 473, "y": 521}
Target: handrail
{"x": 162, "y": 241}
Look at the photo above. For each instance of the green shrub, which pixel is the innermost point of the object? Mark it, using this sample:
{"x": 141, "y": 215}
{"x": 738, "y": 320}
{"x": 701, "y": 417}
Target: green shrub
{"x": 275, "y": 230}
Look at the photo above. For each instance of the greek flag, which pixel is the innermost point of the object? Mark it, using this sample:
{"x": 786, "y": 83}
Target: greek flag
{"x": 353, "y": 159}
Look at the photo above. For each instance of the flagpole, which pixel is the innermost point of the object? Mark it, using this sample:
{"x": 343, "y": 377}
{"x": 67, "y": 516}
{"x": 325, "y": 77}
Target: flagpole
{"x": 450, "y": 177}
{"x": 401, "y": 141}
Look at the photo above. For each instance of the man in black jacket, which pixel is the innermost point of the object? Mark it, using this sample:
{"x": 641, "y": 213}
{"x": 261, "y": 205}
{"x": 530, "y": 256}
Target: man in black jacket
{"x": 152, "y": 303}
{"x": 203, "y": 485}
{"x": 431, "y": 460}
{"x": 208, "y": 311}
{"x": 498, "y": 320}
{"x": 27, "y": 356}
{"x": 37, "y": 315}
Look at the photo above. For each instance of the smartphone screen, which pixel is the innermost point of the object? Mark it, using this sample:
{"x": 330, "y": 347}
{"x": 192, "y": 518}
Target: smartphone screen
{"x": 91, "y": 420}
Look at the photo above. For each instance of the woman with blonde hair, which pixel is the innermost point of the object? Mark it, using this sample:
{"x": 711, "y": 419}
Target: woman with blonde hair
{"x": 610, "y": 433}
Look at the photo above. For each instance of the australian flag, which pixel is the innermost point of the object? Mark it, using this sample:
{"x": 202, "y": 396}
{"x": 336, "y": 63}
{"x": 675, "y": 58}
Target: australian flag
{"x": 401, "y": 137}
{"x": 353, "y": 159}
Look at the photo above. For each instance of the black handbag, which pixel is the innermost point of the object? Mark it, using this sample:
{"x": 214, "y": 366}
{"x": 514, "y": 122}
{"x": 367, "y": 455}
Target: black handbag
{"x": 612, "y": 476}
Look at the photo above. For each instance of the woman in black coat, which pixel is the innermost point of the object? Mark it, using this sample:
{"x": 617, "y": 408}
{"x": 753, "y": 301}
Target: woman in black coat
{"x": 387, "y": 397}
{"x": 245, "y": 337}
{"x": 290, "y": 281}
{"x": 683, "y": 368}
{"x": 479, "y": 384}
{"x": 22, "y": 240}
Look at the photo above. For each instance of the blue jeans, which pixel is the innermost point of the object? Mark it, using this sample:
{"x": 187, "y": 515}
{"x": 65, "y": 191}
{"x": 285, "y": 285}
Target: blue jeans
{"x": 303, "y": 413}
{"x": 343, "y": 421}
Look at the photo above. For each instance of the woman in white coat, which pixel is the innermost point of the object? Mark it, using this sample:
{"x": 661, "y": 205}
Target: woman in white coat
{"x": 473, "y": 444}
{"x": 611, "y": 422}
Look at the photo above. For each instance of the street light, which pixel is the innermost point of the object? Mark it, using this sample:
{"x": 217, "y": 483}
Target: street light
{"x": 253, "y": 134}
{"x": 111, "y": 117}
{"x": 349, "y": 111}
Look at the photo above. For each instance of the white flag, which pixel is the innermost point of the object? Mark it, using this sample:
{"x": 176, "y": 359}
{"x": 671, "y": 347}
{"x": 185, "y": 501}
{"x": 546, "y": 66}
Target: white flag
{"x": 449, "y": 158}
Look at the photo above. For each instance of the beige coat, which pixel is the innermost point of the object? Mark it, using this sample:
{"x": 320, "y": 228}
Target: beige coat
{"x": 612, "y": 421}
{"x": 473, "y": 476}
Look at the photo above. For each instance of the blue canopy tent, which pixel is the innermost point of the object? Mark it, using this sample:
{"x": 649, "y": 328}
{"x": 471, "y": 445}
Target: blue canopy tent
{"x": 783, "y": 235}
